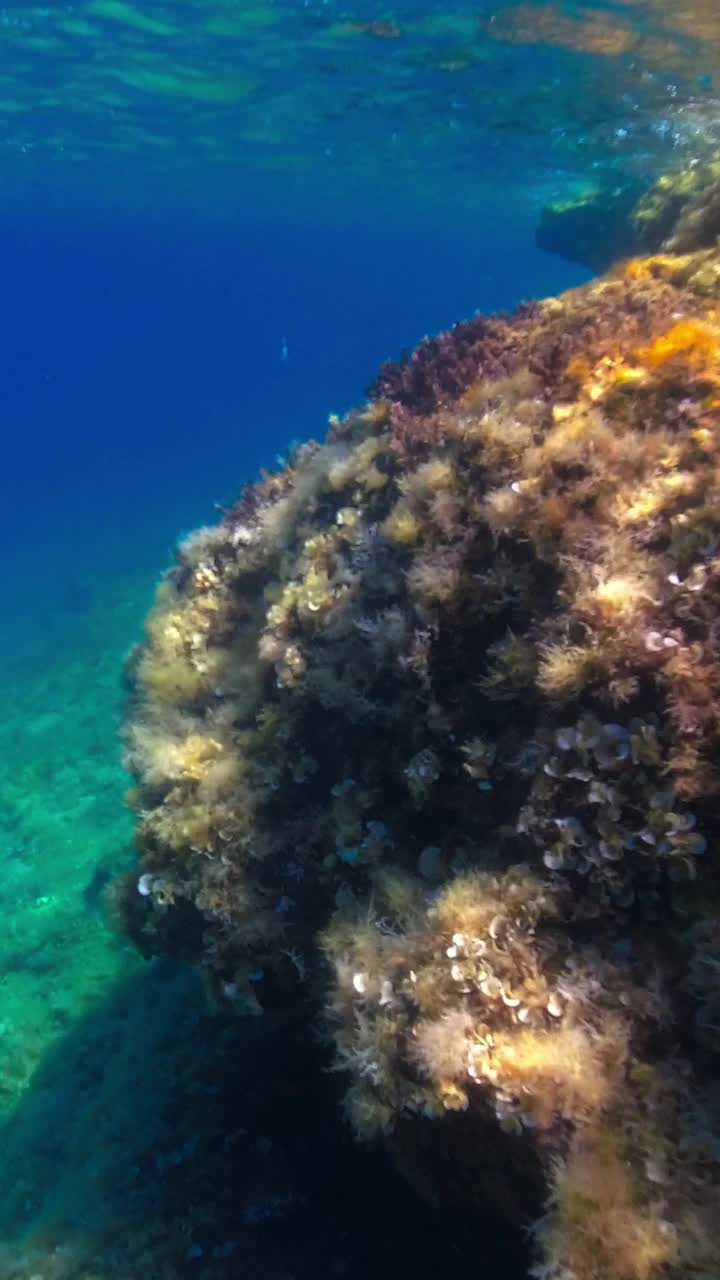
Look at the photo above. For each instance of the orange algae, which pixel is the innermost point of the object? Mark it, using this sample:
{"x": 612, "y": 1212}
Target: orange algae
{"x": 586, "y": 30}
{"x": 684, "y": 41}
{"x": 694, "y": 343}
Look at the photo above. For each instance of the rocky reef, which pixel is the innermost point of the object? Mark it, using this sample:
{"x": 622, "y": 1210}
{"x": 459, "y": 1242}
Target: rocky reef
{"x": 424, "y": 736}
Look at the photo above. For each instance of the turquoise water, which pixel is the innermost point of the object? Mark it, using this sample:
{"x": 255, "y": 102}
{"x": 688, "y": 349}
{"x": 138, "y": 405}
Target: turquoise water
{"x": 218, "y": 219}
{"x": 224, "y": 100}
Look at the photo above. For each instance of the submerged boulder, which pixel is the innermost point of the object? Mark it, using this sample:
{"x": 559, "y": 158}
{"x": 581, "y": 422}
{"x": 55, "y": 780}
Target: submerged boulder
{"x": 678, "y": 213}
{"x": 593, "y": 229}
{"x": 425, "y": 736}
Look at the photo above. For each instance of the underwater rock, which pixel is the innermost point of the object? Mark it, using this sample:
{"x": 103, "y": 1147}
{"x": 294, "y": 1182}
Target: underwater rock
{"x": 593, "y": 230}
{"x": 424, "y": 734}
{"x": 679, "y": 213}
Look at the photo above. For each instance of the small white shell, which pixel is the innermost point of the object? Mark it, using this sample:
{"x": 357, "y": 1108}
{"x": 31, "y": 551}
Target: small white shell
{"x": 555, "y": 1006}
{"x": 360, "y": 983}
{"x": 491, "y": 987}
{"x": 553, "y": 861}
{"x": 496, "y": 925}
{"x": 653, "y": 641}
{"x": 656, "y": 1170}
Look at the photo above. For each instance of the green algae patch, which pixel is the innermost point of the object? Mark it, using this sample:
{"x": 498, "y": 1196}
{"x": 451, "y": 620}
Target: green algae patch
{"x": 77, "y": 27}
{"x": 44, "y": 44}
{"x": 116, "y": 11}
{"x": 109, "y": 99}
{"x": 241, "y": 24}
{"x": 185, "y": 83}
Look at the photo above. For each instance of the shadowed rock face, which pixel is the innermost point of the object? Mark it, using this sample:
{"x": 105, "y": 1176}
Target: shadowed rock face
{"x": 424, "y": 735}
{"x": 679, "y": 213}
{"x": 594, "y": 230}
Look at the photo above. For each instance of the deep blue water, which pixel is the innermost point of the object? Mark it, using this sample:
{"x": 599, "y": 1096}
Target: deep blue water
{"x": 149, "y": 366}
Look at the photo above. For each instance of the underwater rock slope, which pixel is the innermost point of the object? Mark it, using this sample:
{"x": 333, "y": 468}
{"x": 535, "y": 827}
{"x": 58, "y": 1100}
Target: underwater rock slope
{"x": 426, "y": 732}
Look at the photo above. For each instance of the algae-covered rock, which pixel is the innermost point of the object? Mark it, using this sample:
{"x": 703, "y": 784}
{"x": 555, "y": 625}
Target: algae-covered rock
{"x": 593, "y": 229}
{"x": 425, "y": 734}
{"x": 679, "y": 213}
